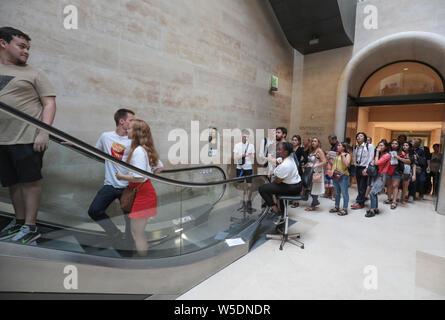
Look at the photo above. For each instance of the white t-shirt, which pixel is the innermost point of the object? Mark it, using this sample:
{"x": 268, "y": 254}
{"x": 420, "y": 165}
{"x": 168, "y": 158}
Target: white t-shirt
{"x": 117, "y": 146}
{"x": 288, "y": 171}
{"x": 240, "y": 149}
{"x": 139, "y": 159}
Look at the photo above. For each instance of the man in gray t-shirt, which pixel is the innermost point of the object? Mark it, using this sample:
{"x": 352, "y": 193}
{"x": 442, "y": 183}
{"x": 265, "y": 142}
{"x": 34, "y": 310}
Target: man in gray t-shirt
{"x": 21, "y": 145}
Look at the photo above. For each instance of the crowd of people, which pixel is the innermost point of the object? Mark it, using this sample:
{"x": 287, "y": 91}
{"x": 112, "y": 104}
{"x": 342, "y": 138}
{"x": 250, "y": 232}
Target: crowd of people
{"x": 397, "y": 166}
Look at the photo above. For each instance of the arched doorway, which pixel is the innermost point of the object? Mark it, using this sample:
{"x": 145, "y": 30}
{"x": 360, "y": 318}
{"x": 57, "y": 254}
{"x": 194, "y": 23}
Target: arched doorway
{"x": 372, "y": 66}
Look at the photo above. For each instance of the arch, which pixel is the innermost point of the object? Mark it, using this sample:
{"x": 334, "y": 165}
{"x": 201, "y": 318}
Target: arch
{"x": 425, "y": 47}
{"x": 442, "y": 79}
{"x": 419, "y": 46}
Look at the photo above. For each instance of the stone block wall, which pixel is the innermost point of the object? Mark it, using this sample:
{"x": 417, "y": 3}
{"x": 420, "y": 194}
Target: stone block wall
{"x": 171, "y": 61}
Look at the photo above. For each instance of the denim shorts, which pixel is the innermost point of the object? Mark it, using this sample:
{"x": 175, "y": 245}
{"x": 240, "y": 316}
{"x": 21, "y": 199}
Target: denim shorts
{"x": 394, "y": 177}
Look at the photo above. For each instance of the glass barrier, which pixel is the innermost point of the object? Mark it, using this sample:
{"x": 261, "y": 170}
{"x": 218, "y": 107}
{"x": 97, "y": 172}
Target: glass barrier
{"x": 188, "y": 218}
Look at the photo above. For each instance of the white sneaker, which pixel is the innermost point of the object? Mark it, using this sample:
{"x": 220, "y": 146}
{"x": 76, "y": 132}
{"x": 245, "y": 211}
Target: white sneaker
{"x": 278, "y": 220}
{"x": 25, "y": 235}
{"x": 12, "y": 223}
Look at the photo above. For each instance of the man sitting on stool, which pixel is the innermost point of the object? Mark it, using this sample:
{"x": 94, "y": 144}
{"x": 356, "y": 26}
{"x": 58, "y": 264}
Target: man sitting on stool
{"x": 287, "y": 180}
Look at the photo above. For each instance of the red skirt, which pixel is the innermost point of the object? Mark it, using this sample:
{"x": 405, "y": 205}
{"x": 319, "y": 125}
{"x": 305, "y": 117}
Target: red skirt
{"x": 145, "y": 202}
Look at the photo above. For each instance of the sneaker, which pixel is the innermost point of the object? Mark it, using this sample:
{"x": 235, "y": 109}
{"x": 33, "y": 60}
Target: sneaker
{"x": 369, "y": 214}
{"x": 26, "y": 235}
{"x": 278, "y": 220}
{"x": 10, "y": 230}
{"x": 249, "y": 206}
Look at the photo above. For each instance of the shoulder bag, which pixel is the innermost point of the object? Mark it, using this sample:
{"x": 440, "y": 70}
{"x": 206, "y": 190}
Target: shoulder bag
{"x": 317, "y": 175}
{"x": 337, "y": 175}
{"x": 128, "y": 196}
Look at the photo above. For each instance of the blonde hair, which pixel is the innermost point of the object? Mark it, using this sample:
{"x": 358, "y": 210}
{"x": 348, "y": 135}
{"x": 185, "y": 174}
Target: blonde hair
{"x": 311, "y": 149}
{"x": 142, "y": 137}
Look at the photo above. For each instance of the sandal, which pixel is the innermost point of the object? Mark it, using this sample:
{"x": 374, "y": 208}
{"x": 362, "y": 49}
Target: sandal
{"x": 310, "y": 209}
{"x": 394, "y": 205}
{"x": 342, "y": 212}
{"x": 387, "y": 201}
{"x": 295, "y": 204}
{"x": 336, "y": 209}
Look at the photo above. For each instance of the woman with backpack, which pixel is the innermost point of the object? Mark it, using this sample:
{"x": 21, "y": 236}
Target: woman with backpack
{"x": 393, "y": 176}
{"x": 382, "y": 161}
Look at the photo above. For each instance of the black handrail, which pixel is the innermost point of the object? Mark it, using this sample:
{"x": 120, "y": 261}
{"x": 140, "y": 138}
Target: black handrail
{"x": 90, "y": 151}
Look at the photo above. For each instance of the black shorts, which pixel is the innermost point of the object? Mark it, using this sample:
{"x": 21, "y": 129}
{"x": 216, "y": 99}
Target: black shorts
{"x": 19, "y": 163}
{"x": 244, "y": 173}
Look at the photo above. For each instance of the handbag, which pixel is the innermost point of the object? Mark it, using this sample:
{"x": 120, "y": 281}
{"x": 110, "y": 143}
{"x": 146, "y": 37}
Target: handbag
{"x": 316, "y": 176}
{"x": 372, "y": 170}
{"x": 127, "y": 197}
{"x": 337, "y": 175}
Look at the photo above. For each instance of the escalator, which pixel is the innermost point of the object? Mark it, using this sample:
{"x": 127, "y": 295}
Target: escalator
{"x": 189, "y": 239}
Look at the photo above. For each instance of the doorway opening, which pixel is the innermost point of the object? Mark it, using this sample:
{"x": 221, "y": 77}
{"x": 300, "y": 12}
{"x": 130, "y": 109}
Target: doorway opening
{"x": 402, "y": 98}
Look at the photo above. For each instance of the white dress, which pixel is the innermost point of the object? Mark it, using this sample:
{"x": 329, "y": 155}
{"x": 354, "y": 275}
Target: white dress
{"x": 317, "y": 187}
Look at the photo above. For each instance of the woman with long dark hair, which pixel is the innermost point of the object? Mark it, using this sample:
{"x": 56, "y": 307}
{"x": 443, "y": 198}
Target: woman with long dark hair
{"x": 406, "y": 167}
{"x": 382, "y": 160}
{"x": 142, "y": 155}
{"x": 340, "y": 176}
{"x": 393, "y": 176}
{"x": 299, "y": 154}
{"x": 316, "y": 160}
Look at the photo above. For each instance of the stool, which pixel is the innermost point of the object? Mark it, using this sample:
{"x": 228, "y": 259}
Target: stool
{"x": 283, "y": 235}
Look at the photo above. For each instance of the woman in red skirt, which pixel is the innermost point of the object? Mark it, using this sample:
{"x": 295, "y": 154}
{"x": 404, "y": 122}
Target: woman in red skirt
{"x": 142, "y": 155}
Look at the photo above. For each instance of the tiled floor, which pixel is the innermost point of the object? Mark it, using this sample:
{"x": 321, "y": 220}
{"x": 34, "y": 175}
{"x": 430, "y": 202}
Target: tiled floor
{"x": 399, "y": 254}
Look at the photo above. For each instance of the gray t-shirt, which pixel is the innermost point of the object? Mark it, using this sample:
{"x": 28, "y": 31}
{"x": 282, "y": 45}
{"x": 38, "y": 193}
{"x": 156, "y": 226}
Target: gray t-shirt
{"x": 22, "y": 87}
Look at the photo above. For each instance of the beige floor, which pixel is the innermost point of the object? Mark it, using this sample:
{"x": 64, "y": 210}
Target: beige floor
{"x": 405, "y": 248}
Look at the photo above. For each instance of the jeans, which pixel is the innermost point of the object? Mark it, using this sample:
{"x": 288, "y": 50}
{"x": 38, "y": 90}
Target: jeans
{"x": 268, "y": 190}
{"x": 104, "y": 197}
{"x": 418, "y": 185}
{"x": 341, "y": 188}
{"x": 362, "y": 184}
{"x": 377, "y": 185}
{"x": 314, "y": 200}
{"x": 436, "y": 177}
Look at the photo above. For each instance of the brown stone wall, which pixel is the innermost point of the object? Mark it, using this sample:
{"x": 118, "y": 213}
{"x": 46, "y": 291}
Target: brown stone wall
{"x": 171, "y": 61}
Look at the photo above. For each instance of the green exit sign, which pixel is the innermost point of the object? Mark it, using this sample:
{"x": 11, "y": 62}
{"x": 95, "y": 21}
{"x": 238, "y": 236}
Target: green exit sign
{"x": 274, "y": 83}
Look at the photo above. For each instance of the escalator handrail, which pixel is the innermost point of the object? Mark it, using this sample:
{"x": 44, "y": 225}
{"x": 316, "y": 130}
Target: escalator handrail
{"x": 98, "y": 154}
{"x": 92, "y": 156}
